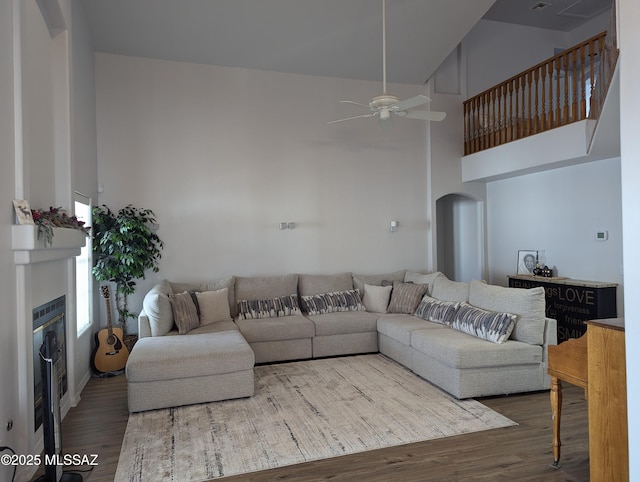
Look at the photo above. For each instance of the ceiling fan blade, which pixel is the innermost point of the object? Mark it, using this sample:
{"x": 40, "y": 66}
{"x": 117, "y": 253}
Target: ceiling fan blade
{"x": 350, "y": 118}
{"x": 354, "y": 103}
{"x": 410, "y": 103}
{"x": 425, "y": 115}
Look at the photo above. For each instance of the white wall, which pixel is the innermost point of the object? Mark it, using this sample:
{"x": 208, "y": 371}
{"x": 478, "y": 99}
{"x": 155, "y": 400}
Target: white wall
{"x": 559, "y": 211}
{"x": 47, "y": 111}
{"x": 460, "y": 237}
{"x": 223, "y": 155}
{"x": 629, "y": 42}
{"x": 83, "y": 158}
{"x": 8, "y": 354}
{"x": 489, "y": 43}
{"x": 458, "y": 217}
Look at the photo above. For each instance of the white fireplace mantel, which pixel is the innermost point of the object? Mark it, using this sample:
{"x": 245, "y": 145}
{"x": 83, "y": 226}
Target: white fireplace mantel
{"x": 28, "y": 249}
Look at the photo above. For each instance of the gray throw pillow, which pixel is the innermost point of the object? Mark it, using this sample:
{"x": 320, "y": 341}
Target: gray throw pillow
{"x": 405, "y": 297}
{"x": 422, "y": 278}
{"x": 185, "y": 314}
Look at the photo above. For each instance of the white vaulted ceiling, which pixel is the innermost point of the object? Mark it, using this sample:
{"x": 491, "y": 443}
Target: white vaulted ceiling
{"x": 333, "y": 38}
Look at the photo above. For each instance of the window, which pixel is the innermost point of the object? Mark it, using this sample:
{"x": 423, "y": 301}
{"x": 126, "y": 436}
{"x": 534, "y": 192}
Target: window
{"x": 84, "y": 278}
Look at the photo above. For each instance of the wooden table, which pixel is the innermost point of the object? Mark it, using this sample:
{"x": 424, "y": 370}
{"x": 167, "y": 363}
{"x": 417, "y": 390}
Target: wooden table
{"x": 595, "y": 362}
{"x": 567, "y": 361}
{"x": 608, "y": 438}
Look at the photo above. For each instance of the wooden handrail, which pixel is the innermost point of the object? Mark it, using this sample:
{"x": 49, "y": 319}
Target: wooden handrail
{"x": 568, "y": 87}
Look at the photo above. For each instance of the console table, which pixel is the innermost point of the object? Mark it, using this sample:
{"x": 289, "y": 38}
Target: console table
{"x": 572, "y": 302}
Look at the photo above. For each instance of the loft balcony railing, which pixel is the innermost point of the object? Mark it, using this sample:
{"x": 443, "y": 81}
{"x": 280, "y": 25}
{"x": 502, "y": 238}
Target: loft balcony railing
{"x": 568, "y": 87}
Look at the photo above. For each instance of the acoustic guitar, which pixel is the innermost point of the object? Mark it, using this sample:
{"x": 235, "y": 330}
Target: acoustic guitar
{"x": 111, "y": 354}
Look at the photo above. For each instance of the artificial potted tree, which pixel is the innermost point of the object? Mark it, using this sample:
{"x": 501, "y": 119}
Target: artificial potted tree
{"x": 125, "y": 245}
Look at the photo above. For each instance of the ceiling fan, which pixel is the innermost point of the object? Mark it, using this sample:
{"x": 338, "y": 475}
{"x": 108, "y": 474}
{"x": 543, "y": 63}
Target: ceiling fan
{"x": 386, "y": 104}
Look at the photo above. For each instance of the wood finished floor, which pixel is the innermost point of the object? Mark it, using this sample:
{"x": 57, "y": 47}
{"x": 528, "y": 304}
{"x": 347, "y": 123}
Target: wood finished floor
{"x": 521, "y": 452}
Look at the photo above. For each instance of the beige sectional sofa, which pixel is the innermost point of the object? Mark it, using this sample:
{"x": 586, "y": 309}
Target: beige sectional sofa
{"x": 470, "y": 339}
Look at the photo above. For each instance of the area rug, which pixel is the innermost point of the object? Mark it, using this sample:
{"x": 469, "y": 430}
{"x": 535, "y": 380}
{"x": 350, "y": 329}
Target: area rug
{"x": 301, "y": 411}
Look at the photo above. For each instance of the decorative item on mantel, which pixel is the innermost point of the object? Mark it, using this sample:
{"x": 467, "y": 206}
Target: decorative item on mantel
{"x": 47, "y": 220}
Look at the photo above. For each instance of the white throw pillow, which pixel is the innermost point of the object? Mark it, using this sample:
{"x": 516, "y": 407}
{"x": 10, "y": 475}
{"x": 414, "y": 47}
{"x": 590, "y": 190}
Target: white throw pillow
{"x": 214, "y": 306}
{"x": 157, "y": 306}
{"x": 376, "y": 298}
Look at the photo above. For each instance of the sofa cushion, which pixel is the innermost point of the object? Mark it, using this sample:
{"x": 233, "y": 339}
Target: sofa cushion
{"x": 348, "y": 300}
{"x": 271, "y": 308}
{"x": 276, "y": 329}
{"x": 177, "y": 287}
{"x": 264, "y": 287}
{"x": 157, "y": 306}
{"x": 316, "y": 284}
{"x": 405, "y": 297}
{"x": 376, "y": 298}
{"x": 185, "y": 314}
{"x": 219, "y": 284}
{"x": 527, "y": 304}
{"x": 431, "y": 309}
{"x": 344, "y": 323}
{"x": 422, "y": 278}
{"x": 488, "y": 325}
{"x": 459, "y": 350}
{"x": 227, "y": 325}
{"x": 399, "y": 326}
{"x": 446, "y": 290}
{"x": 213, "y": 306}
{"x": 171, "y": 357}
{"x": 359, "y": 280}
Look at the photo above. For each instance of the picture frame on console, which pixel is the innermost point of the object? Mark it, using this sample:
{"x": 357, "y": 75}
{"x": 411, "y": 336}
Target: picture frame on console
{"x": 526, "y": 261}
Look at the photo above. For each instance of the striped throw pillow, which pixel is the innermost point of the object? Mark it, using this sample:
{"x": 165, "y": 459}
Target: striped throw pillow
{"x": 271, "y": 308}
{"x": 488, "y": 325}
{"x": 443, "y": 312}
{"x": 184, "y": 310}
{"x": 348, "y": 300}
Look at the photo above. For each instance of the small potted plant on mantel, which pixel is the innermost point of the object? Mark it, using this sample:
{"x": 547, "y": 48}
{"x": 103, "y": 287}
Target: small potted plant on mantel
{"x": 124, "y": 246}
{"x": 48, "y": 220}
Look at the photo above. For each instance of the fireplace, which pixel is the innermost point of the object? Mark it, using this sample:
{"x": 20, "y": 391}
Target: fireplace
{"x": 49, "y": 317}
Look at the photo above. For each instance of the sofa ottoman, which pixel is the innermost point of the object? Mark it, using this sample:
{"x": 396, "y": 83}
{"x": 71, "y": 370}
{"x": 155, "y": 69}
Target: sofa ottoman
{"x": 467, "y": 366}
{"x": 169, "y": 371}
